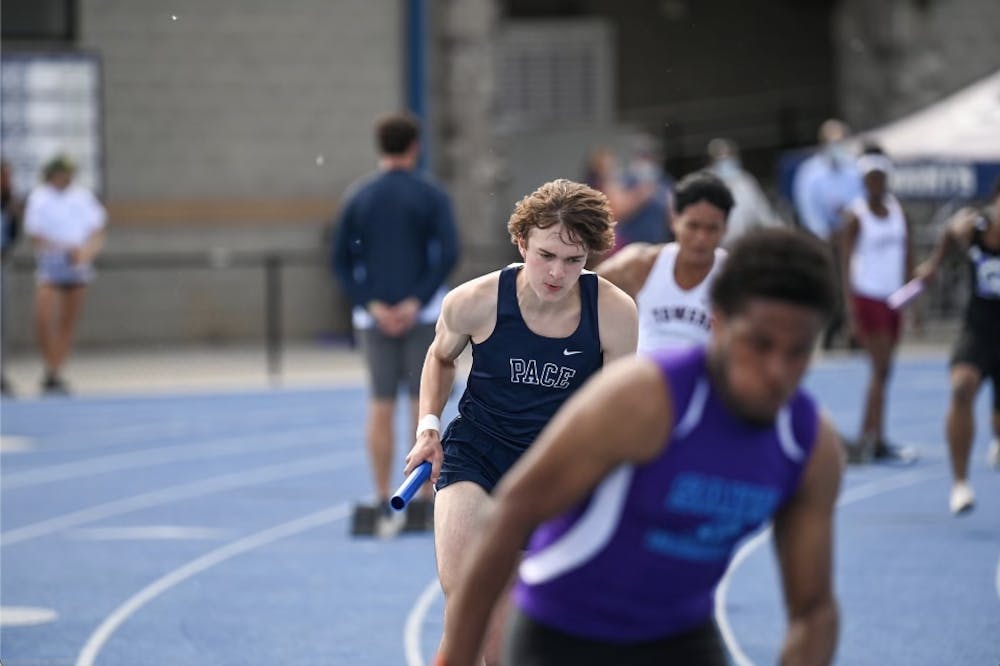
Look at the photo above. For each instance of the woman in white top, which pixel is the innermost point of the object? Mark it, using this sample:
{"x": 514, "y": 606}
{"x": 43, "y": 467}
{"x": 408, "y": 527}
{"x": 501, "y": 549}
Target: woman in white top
{"x": 66, "y": 225}
{"x": 877, "y": 260}
{"x": 670, "y": 281}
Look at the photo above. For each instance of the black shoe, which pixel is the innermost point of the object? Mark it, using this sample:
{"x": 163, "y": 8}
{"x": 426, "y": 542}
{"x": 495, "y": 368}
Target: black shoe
{"x": 54, "y": 385}
{"x": 891, "y": 453}
{"x": 5, "y": 388}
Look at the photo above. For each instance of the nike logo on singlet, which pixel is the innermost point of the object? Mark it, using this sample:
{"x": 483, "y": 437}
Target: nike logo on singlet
{"x": 567, "y": 352}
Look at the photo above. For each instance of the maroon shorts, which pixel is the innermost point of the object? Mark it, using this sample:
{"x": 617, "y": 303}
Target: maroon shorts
{"x": 874, "y": 317}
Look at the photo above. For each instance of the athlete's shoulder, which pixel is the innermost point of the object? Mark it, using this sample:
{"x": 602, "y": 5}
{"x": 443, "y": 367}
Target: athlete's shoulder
{"x": 617, "y": 320}
{"x": 361, "y": 186}
{"x": 805, "y": 417}
{"x": 472, "y": 303}
{"x": 629, "y": 267}
{"x": 611, "y": 297}
{"x": 858, "y": 204}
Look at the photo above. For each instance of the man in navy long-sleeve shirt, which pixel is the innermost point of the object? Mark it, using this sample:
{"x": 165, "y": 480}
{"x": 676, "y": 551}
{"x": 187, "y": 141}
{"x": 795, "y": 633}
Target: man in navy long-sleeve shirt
{"x": 395, "y": 245}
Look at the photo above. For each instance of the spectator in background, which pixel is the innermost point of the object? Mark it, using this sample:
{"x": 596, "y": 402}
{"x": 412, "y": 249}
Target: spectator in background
{"x": 11, "y": 209}
{"x": 66, "y": 224}
{"x": 877, "y": 260}
{"x": 628, "y": 194}
{"x": 651, "y": 191}
{"x": 394, "y": 246}
{"x": 823, "y": 186}
{"x": 602, "y": 171}
{"x": 751, "y": 208}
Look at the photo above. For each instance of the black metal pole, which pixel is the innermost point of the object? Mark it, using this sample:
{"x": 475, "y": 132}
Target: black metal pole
{"x": 273, "y": 306}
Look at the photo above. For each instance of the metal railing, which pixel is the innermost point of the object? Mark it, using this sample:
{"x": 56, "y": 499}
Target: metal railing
{"x": 272, "y": 262}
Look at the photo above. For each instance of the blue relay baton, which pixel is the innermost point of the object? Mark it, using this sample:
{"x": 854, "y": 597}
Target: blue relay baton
{"x": 409, "y": 488}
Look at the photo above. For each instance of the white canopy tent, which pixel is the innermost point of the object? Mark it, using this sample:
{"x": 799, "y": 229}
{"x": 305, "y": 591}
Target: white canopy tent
{"x": 948, "y": 149}
{"x": 964, "y": 126}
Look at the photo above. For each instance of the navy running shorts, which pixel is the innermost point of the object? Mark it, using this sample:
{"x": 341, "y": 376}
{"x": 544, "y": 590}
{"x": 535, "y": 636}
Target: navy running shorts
{"x": 472, "y": 455}
{"x": 977, "y": 350}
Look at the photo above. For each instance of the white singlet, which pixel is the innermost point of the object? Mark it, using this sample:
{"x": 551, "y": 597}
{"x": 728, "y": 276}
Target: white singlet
{"x": 671, "y": 317}
{"x": 878, "y": 264}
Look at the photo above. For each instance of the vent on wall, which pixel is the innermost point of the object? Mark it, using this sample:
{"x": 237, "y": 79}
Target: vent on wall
{"x": 552, "y": 73}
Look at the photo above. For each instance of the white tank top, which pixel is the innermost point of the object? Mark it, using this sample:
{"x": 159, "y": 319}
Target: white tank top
{"x": 878, "y": 264}
{"x": 671, "y": 317}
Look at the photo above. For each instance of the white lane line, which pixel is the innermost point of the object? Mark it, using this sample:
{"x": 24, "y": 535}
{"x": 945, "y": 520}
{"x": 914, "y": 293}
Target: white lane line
{"x": 415, "y": 623}
{"x": 150, "y": 533}
{"x": 13, "y": 444}
{"x": 182, "y": 491}
{"x": 850, "y": 496}
{"x": 722, "y": 619}
{"x": 196, "y": 566}
{"x": 205, "y": 448}
{"x": 94, "y": 425}
{"x": 998, "y": 578}
{"x": 26, "y": 616}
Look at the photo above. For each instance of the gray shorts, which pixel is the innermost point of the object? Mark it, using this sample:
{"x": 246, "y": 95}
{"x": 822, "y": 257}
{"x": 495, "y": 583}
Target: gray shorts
{"x": 393, "y": 361}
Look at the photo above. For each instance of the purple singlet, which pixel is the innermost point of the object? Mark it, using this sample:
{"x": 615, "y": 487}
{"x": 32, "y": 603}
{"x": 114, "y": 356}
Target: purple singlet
{"x": 640, "y": 558}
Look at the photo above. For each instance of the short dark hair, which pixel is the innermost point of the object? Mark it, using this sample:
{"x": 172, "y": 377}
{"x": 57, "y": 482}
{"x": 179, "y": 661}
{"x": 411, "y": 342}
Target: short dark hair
{"x": 787, "y": 265}
{"x": 702, "y": 186}
{"x": 396, "y": 132}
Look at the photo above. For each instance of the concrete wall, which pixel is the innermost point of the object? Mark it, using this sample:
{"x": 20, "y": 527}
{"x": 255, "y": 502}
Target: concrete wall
{"x": 230, "y": 124}
{"x": 238, "y": 98}
{"x": 897, "y": 56}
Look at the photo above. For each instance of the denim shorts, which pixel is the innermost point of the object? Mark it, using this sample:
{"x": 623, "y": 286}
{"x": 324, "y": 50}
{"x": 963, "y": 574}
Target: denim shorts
{"x": 54, "y": 267}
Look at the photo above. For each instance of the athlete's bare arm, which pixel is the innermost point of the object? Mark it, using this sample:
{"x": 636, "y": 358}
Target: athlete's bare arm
{"x": 468, "y": 312}
{"x": 803, "y": 537}
{"x": 86, "y": 253}
{"x": 618, "y": 321}
{"x": 629, "y": 267}
{"x": 910, "y": 255}
{"x": 848, "y": 239}
{"x": 583, "y": 443}
{"x": 956, "y": 235}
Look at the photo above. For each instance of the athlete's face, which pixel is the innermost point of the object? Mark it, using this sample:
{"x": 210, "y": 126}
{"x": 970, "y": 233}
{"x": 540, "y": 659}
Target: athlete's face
{"x": 699, "y": 229}
{"x": 552, "y": 263}
{"x": 759, "y": 355}
{"x": 876, "y": 184}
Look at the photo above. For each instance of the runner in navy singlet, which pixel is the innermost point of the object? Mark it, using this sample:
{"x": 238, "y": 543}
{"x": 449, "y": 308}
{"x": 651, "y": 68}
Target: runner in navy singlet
{"x": 646, "y": 480}
{"x": 538, "y": 330}
{"x": 976, "y": 354}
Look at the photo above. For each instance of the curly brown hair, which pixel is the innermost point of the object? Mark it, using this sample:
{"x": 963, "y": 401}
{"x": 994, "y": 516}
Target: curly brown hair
{"x": 583, "y": 211}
